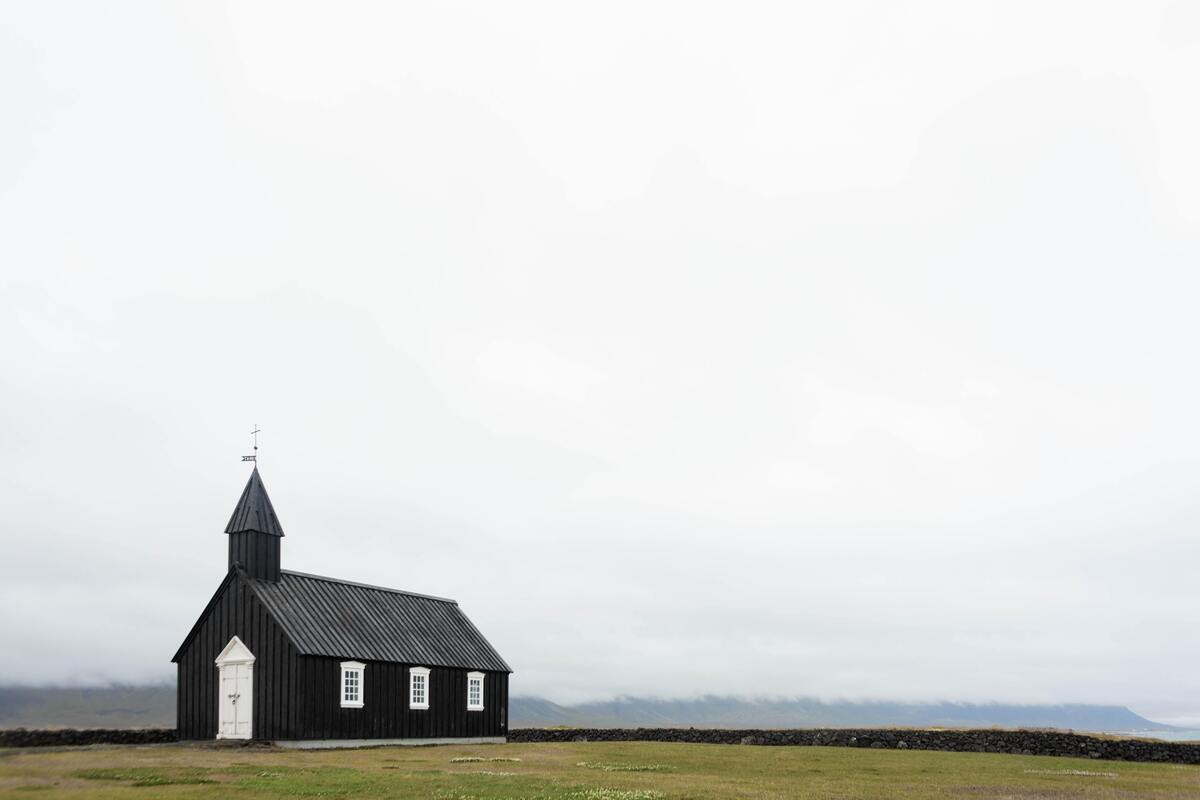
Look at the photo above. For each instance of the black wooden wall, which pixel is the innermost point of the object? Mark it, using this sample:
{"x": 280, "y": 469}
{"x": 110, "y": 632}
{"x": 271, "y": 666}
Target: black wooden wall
{"x": 385, "y": 713}
{"x": 235, "y": 611}
{"x": 299, "y": 697}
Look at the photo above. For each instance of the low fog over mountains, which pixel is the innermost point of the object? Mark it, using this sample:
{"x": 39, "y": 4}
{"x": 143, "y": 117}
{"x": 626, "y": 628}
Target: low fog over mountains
{"x": 733, "y": 712}
{"x": 154, "y": 706}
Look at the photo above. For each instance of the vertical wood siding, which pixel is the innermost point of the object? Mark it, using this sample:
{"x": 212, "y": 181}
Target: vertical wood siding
{"x": 385, "y": 713}
{"x": 236, "y": 613}
{"x": 258, "y": 553}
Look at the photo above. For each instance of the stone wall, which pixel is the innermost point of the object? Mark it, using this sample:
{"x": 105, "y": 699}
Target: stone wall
{"x": 72, "y": 736}
{"x": 1041, "y": 743}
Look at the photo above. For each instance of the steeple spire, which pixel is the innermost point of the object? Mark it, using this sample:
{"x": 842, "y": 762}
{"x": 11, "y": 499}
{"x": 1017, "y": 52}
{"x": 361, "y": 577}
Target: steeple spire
{"x": 255, "y": 533}
{"x": 254, "y": 511}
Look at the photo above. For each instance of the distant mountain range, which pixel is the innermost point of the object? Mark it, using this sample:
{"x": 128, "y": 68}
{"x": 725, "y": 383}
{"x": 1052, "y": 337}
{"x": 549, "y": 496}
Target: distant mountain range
{"x": 100, "y": 707}
{"x": 733, "y": 712}
{"x": 154, "y": 707}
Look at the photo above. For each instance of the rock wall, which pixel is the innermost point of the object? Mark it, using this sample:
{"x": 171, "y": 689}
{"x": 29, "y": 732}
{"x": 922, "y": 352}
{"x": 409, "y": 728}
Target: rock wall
{"x": 1040, "y": 743}
{"x": 64, "y": 737}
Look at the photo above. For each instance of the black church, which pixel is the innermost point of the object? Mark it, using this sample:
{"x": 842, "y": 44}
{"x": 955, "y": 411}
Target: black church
{"x": 306, "y": 661}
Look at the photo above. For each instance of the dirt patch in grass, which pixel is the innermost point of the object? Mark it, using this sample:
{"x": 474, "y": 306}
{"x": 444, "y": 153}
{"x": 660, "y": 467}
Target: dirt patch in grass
{"x": 625, "y": 767}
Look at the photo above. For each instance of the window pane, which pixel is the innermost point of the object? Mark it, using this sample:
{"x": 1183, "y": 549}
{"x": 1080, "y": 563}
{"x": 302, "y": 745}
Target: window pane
{"x": 418, "y": 689}
{"x": 352, "y": 686}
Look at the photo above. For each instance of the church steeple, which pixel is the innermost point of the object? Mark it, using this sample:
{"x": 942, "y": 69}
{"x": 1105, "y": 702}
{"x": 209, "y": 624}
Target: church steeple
{"x": 254, "y": 511}
{"x": 254, "y": 532}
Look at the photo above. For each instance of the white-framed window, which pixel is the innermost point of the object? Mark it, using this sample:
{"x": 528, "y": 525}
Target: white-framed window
{"x": 418, "y": 687}
{"x": 474, "y": 691}
{"x": 352, "y": 684}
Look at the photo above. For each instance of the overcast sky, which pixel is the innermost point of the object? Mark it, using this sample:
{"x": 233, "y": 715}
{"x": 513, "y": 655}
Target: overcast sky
{"x": 826, "y": 349}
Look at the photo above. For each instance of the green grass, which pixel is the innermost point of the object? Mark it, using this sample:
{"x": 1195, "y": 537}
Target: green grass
{"x": 578, "y": 771}
{"x": 625, "y": 767}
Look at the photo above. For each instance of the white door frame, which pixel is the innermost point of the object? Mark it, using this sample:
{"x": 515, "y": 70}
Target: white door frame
{"x": 235, "y": 691}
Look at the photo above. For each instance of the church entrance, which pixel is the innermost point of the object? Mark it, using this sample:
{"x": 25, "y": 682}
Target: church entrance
{"x": 235, "y": 691}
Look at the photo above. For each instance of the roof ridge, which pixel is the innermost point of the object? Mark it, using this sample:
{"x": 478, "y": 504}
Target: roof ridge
{"x": 367, "y": 586}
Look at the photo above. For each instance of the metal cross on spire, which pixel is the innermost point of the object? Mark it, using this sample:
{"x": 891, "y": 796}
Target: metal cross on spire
{"x": 254, "y": 433}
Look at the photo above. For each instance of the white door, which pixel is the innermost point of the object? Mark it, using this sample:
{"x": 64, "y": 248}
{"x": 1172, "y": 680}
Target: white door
{"x": 235, "y": 691}
{"x": 236, "y": 702}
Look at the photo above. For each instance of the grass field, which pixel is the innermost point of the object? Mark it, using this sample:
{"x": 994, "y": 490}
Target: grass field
{"x": 591, "y": 771}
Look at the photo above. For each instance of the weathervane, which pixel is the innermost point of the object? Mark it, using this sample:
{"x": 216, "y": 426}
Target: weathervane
{"x": 254, "y": 433}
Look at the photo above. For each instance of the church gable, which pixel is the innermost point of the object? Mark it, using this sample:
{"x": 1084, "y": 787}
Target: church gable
{"x": 235, "y": 624}
{"x": 230, "y": 577}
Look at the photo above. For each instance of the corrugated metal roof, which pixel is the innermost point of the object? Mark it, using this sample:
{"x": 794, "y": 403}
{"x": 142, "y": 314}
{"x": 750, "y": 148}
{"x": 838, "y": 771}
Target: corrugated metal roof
{"x": 327, "y": 617}
{"x": 254, "y": 511}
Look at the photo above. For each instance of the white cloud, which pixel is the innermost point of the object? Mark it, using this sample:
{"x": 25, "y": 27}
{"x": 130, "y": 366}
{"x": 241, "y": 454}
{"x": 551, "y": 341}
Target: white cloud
{"x": 849, "y": 346}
